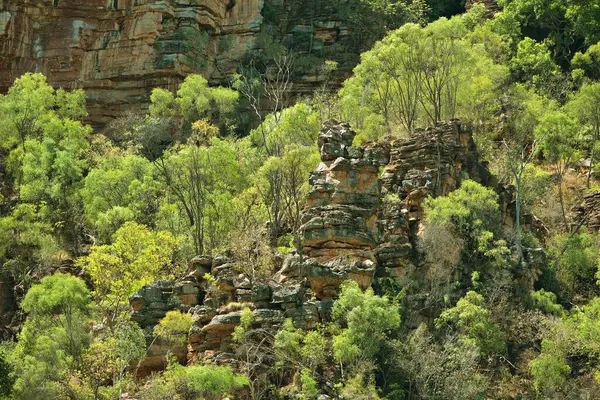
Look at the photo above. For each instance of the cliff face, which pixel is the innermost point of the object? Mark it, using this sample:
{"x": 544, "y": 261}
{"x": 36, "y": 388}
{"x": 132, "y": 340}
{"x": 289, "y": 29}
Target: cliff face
{"x": 349, "y": 232}
{"x": 119, "y": 50}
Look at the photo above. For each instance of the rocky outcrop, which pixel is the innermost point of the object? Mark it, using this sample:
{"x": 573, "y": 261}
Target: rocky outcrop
{"x": 339, "y": 231}
{"x": 355, "y": 225}
{"x": 119, "y": 50}
{"x": 216, "y": 306}
{"x": 589, "y": 212}
{"x": 432, "y": 162}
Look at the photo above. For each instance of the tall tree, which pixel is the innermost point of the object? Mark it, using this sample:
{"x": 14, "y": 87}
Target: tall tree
{"x": 585, "y": 106}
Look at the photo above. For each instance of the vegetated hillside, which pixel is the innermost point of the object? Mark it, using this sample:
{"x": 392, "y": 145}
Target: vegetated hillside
{"x": 337, "y": 250}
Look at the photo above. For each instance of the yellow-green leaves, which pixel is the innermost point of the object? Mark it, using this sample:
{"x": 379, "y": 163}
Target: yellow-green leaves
{"x": 174, "y": 328}
{"x": 470, "y": 318}
{"x": 136, "y": 257}
{"x": 195, "y": 100}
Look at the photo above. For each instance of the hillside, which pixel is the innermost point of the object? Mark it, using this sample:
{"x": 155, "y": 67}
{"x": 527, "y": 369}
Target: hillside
{"x": 312, "y": 200}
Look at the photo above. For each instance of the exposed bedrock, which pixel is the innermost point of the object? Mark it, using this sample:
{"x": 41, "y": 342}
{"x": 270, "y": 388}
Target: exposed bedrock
{"x": 119, "y": 50}
{"x": 349, "y": 231}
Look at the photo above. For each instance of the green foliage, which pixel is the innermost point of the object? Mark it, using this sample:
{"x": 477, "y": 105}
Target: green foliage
{"x": 470, "y": 318}
{"x": 194, "y": 382}
{"x": 367, "y": 319}
{"x": 472, "y": 212}
{"x": 6, "y": 376}
{"x": 546, "y": 301}
{"x": 57, "y": 295}
{"x": 136, "y": 257}
{"x": 109, "y": 359}
{"x": 172, "y": 184}
{"x": 53, "y": 338}
{"x": 534, "y": 65}
{"x": 27, "y": 242}
{"x": 418, "y": 75}
{"x": 203, "y": 181}
{"x": 296, "y": 125}
{"x": 309, "y": 386}
{"x": 246, "y": 320}
{"x": 195, "y": 100}
{"x": 576, "y": 263}
{"x": 450, "y": 369}
{"x": 566, "y": 25}
{"x": 121, "y": 189}
{"x": 314, "y": 351}
{"x": 213, "y": 382}
{"x": 44, "y": 144}
{"x": 587, "y": 63}
{"x": 549, "y": 370}
{"x": 288, "y": 341}
{"x": 286, "y": 141}
{"x": 174, "y": 328}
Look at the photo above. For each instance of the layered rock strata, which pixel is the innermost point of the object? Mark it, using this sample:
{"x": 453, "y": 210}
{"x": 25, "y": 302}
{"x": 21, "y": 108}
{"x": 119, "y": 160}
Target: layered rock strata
{"x": 590, "y": 210}
{"x": 339, "y": 231}
{"x": 119, "y": 50}
{"x": 432, "y": 162}
{"x": 350, "y": 230}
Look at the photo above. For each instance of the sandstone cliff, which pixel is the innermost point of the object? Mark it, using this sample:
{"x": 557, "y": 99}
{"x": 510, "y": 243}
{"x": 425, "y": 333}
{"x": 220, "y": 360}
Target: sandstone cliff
{"x": 119, "y": 50}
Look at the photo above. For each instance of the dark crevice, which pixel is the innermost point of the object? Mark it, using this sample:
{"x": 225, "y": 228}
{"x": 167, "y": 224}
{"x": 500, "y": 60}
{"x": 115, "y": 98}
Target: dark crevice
{"x": 201, "y": 297}
{"x": 230, "y": 5}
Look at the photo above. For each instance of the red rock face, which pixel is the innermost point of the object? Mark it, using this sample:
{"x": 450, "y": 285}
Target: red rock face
{"x": 119, "y": 50}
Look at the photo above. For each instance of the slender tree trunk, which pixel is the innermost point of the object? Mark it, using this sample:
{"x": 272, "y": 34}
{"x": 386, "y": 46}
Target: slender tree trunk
{"x": 592, "y": 154}
{"x": 562, "y": 205}
{"x": 518, "y": 215}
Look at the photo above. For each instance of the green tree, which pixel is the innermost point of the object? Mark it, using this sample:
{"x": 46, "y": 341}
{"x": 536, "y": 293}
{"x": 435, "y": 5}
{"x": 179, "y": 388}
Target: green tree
{"x": 417, "y": 74}
{"x": 526, "y": 108}
{"x": 472, "y": 211}
{"x": 195, "y": 100}
{"x": 585, "y": 106}
{"x": 587, "y": 63}
{"x": 576, "y": 259}
{"x": 367, "y": 319}
{"x": 53, "y": 339}
{"x": 534, "y": 65}
{"x": 289, "y": 140}
{"x": 136, "y": 257}
{"x": 27, "y": 244}
{"x": 470, "y": 318}
{"x": 44, "y": 142}
{"x": 558, "y": 134}
{"x": 109, "y": 359}
{"x": 204, "y": 181}
{"x": 6, "y": 375}
{"x": 174, "y": 328}
{"x": 213, "y": 382}
{"x": 550, "y": 370}
{"x": 120, "y": 189}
